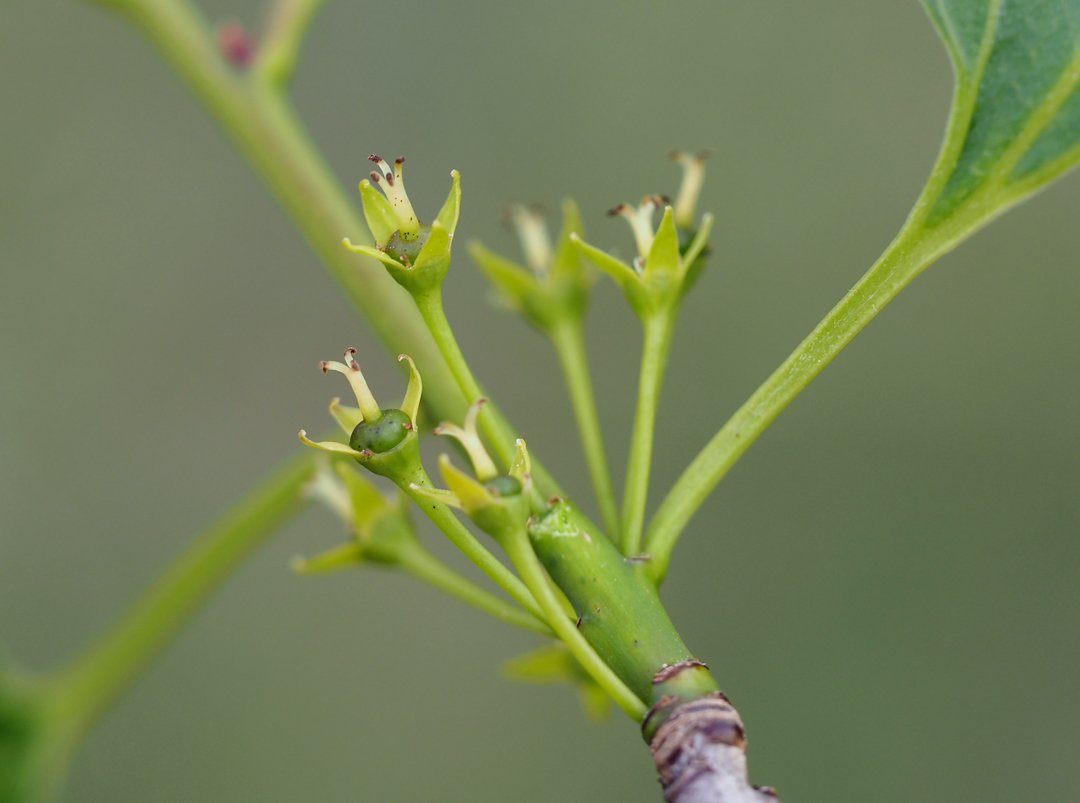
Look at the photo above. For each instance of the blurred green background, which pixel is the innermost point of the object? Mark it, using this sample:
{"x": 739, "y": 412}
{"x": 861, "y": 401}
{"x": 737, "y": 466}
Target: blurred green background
{"x": 889, "y": 583}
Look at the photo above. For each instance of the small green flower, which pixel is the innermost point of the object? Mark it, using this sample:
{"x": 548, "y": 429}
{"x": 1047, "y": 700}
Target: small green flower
{"x": 380, "y": 528}
{"x": 693, "y": 166}
{"x": 417, "y": 255}
{"x": 383, "y": 440}
{"x": 669, "y": 256}
{"x": 554, "y": 287}
{"x": 499, "y": 504}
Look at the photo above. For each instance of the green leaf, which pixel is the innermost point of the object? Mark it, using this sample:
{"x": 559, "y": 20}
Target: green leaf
{"x": 625, "y": 276}
{"x": 1016, "y": 116}
{"x": 567, "y": 260}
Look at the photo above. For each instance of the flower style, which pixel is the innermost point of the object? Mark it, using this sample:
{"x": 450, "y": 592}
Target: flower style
{"x": 693, "y": 166}
{"x": 417, "y": 255}
{"x": 554, "y": 287}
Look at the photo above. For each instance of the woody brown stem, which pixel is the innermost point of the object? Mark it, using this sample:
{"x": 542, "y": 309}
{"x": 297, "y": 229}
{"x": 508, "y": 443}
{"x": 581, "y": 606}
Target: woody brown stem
{"x": 700, "y": 752}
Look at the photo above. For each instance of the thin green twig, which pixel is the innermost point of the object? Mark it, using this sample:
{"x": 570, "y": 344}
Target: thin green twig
{"x": 458, "y": 534}
{"x": 656, "y": 344}
{"x": 426, "y": 567}
{"x": 568, "y": 339}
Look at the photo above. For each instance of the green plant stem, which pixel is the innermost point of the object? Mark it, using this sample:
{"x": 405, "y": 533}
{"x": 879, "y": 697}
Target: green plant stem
{"x": 261, "y": 123}
{"x": 911, "y": 252}
{"x": 443, "y": 518}
{"x": 279, "y": 47}
{"x": 494, "y": 426}
{"x": 658, "y": 330}
{"x": 521, "y": 554}
{"x": 921, "y": 241}
{"x": 426, "y": 567}
{"x": 568, "y": 337}
{"x": 264, "y": 128}
{"x": 88, "y": 685}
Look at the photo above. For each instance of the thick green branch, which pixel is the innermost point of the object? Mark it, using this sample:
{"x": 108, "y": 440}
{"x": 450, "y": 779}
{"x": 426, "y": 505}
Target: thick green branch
{"x": 532, "y": 571}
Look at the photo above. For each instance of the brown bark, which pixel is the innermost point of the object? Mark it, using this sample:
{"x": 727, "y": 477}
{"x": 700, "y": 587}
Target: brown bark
{"x": 700, "y": 753}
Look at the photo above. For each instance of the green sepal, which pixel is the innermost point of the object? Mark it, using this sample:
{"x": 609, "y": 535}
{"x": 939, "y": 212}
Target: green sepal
{"x": 336, "y": 559}
{"x": 381, "y": 530}
{"x": 433, "y": 263}
{"x": 375, "y": 253}
{"x": 424, "y": 275}
{"x": 451, "y": 209}
{"x": 697, "y": 251}
{"x": 552, "y": 664}
{"x": 333, "y": 447}
{"x": 368, "y": 503}
{"x": 347, "y": 417}
{"x": 390, "y": 539}
{"x": 471, "y": 494}
{"x": 500, "y": 516}
{"x": 521, "y": 465}
{"x": 663, "y": 263}
{"x": 379, "y": 214}
{"x": 624, "y": 275}
{"x": 515, "y": 283}
{"x": 644, "y": 297}
{"x": 567, "y": 260}
{"x": 410, "y": 405}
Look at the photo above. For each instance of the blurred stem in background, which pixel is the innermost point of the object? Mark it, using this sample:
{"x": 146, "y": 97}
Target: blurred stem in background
{"x": 42, "y": 719}
{"x": 82, "y": 691}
